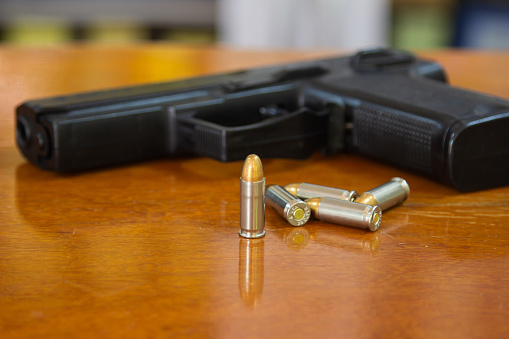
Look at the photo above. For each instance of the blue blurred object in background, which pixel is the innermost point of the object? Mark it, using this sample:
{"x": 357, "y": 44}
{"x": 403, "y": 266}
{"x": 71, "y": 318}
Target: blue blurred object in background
{"x": 482, "y": 24}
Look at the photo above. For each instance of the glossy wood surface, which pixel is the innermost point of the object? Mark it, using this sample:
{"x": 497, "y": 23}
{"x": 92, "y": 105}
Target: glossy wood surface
{"x": 152, "y": 249}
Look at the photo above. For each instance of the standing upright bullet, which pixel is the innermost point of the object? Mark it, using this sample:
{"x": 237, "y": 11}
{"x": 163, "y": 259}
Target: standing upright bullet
{"x": 304, "y": 190}
{"x": 386, "y": 195}
{"x": 252, "y": 198}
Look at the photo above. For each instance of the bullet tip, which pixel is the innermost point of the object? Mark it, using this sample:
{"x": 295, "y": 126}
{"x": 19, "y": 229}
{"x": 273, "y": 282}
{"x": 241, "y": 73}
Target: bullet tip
{"x": 292, "y": 188}
{"x": 366, "y": 198}
{"x": 314, "y": 203}
{"x": 252, "y": 171}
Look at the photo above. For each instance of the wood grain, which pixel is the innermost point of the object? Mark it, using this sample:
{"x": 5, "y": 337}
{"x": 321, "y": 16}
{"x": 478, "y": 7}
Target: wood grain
{"x": 152, "y": 249}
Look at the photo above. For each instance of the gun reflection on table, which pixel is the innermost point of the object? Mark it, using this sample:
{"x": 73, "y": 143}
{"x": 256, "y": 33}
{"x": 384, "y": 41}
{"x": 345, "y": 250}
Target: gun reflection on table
{"x": 383, "y": 103}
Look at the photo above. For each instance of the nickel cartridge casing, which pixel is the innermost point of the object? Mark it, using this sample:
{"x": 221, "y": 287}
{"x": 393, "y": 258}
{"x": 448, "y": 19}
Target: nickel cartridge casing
{"x": 291, "y": 208}
{"x": 346, "y": 213}
{"x": 307, "y": 191}
{"x": 386, "y": 195}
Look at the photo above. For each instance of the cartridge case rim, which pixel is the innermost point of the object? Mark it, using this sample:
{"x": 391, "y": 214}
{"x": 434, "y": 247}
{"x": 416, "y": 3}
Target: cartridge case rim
{"x": 251, "y": 234}
{"x": 293, "y": 206}
{"x": 376, "y": 212}
{"x": 286, "y": 204}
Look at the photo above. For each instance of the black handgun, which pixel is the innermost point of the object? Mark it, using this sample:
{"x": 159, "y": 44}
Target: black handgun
{"x": 384, "y": 103}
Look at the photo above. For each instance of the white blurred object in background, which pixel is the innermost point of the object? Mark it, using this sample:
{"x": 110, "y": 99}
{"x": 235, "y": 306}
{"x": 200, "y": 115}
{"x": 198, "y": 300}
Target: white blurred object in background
{"x": 304, "y": 23}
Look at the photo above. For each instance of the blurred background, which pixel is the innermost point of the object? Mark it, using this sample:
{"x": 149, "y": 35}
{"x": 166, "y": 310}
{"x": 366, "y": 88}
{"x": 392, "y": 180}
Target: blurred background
{"x": 280, "y": 24}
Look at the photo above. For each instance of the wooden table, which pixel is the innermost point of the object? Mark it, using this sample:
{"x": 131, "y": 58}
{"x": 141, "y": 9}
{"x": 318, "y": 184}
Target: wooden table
{"x": 152, "y": 249}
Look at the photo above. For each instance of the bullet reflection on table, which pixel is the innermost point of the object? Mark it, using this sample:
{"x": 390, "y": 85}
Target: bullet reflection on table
{"x": 295, "y": 238}
{"x": 251, "y": 270}
{"x": 368, "y": 243}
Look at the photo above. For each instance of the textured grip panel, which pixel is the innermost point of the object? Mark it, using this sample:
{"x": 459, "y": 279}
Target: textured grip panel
{"x": 209, "y": 141}
{"x": 393, "y": 136}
